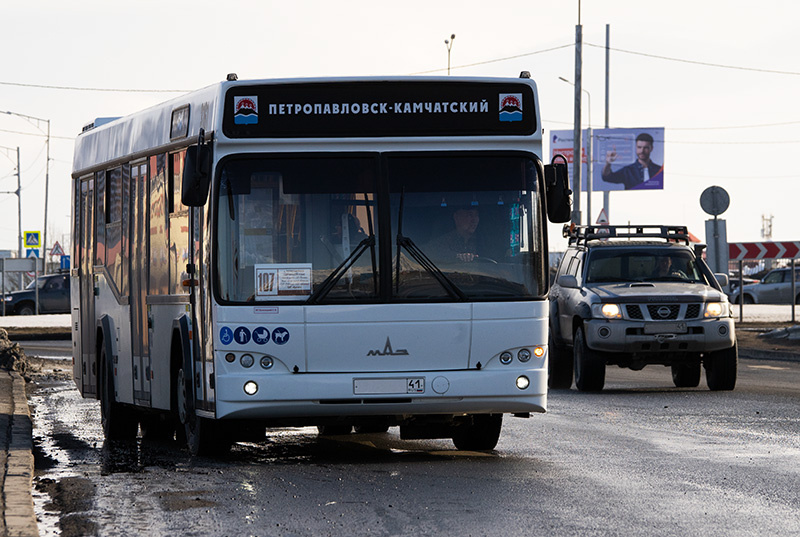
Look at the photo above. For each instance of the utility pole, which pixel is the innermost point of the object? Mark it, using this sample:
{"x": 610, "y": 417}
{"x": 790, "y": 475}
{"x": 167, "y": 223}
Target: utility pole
{"x": 606, "y": 193}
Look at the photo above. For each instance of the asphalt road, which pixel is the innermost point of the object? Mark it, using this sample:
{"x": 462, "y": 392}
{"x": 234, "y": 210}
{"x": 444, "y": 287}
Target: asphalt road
{"x": 642, "y": 458}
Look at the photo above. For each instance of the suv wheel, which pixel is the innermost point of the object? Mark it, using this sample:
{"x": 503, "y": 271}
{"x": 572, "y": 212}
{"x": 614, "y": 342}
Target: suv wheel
{"x": 590, "y": 368}
{"x": 559, "y": 365}
{"x": 25, "y": 309}
{"x": 686, "y": 375}
{"x": 721, "y": 368}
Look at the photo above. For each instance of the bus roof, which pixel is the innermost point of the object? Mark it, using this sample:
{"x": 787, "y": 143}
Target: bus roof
{"x": 315, "y": 108}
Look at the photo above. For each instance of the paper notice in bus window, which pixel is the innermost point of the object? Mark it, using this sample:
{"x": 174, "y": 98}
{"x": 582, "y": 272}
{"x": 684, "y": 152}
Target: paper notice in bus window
{"x": 283, "y": 282}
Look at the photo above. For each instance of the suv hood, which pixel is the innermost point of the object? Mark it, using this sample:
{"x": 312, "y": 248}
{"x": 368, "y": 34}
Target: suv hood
{"x": 656, "y": 292}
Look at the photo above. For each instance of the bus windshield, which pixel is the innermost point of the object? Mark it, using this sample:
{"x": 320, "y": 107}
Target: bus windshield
{"x": 311, "y": 227}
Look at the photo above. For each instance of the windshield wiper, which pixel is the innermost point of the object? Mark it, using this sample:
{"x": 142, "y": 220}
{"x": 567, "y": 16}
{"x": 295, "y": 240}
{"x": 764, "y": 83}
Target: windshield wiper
{"x": 420, "y": 257}
{"x": 334, "y": 277}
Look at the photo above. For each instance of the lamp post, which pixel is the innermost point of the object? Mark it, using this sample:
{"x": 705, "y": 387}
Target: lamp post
{"x": 449, "y": 44}
{"x": 38, "y": 121}
{"x": 588, "y": 155}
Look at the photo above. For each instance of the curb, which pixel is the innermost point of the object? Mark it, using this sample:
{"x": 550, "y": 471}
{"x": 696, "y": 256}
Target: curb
{"x": 778, "y": 356}
{"x": 18, "y": 512}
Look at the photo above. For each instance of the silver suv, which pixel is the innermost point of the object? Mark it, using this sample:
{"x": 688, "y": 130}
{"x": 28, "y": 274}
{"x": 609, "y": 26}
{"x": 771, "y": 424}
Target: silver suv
{"x": 633, "y": 296}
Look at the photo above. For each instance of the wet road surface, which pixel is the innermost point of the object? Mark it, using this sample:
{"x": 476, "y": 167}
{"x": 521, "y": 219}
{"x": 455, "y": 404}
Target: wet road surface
{"x": 641, "y": 458}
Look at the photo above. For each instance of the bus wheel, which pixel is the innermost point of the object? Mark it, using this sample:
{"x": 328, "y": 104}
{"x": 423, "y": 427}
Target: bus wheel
{"x": 203, "y": 435}
{"x": 481, "y": 435}
{"x": 117, "y": 420}
{"x": 721, "y": 368}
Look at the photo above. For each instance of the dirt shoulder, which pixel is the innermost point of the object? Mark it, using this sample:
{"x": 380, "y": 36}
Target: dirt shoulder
{"x": 747, "y": 334}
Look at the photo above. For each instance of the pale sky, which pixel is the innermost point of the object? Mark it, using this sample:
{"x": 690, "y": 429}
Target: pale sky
{"x": 731, "y": 122}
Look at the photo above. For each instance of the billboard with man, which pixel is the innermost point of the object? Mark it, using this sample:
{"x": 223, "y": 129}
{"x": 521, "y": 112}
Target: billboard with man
{"x": 622, "y": 159}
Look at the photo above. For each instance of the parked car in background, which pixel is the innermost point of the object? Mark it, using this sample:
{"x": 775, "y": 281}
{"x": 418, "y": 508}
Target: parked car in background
{"x": 53, "y": 297}
{"x": 774, "y": 288}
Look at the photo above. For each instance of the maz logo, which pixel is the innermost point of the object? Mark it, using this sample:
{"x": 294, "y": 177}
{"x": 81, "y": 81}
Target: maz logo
{"x": 388, "y": 351}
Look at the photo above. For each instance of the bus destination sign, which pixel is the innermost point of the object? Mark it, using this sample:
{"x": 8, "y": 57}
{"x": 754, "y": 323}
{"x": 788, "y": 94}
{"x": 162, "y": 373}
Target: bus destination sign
{"x": 379, "y": 109}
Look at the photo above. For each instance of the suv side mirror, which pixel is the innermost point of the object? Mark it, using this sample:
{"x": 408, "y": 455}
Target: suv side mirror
{"x": 196, "y": 175}
{"x": 559, "y": 201}
{"x": 722, "y": 279}
{"x": 568, "y": 281}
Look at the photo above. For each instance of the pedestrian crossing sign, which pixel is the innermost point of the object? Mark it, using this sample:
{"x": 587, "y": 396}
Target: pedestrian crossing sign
{"x": 57, "y": 249}
{"x": 32, "y": 239}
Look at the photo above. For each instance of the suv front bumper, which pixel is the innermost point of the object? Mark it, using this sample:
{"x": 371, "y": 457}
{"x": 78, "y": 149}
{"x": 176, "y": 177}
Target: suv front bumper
{"x": 626, "y": 336}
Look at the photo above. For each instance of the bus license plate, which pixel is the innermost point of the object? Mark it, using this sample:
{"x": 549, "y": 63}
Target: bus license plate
{"x": 388, "y": 386}
{"x": 665, "y": 328}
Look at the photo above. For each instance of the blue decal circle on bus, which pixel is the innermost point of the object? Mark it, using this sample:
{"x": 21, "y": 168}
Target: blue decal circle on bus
{"x": 242, "y": 335}
{"x": 280, "y": 335}
{"x": 225, "y": 335}
{"x": 260, "y": 335}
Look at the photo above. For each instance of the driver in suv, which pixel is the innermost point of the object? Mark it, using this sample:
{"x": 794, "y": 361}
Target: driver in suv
{"x": 634, "y": 296}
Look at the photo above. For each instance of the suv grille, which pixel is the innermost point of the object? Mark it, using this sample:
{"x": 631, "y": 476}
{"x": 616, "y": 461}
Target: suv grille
{"x": 634, "y": 312}
{"x": 662, "y": 312}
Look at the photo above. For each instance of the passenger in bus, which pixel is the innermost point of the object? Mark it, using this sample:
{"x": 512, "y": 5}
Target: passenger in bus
{"x": 458, "y": 244}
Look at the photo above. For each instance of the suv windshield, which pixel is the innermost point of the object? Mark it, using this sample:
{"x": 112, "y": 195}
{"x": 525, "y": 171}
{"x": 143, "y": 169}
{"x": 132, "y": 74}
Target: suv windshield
{"x": 642, "y": 265}
{"x": 317, "y": 228}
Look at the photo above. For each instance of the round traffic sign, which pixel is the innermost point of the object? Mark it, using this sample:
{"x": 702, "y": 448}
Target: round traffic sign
{"x": 715, "y": 200}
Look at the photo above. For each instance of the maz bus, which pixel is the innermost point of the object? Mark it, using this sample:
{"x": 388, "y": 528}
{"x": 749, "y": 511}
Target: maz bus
{"x": 285, "y": 253}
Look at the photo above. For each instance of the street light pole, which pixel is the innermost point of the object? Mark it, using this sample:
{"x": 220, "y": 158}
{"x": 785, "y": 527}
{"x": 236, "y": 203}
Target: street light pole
{"x": 449, "y": 44}
{"x": 38, "y": 120}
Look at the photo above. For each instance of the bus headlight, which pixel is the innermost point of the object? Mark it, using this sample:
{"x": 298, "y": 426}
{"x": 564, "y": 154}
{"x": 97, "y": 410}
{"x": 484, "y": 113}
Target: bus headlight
{"x": 523, "y": 382}
{"x": 715, "y": 309}
{"x": 524, "y": 355}
{"x": 247, "y": 360}
{"x": 250, "y": 387}
{"x": 267, "y": 362}
{"x": 506, "y": 357}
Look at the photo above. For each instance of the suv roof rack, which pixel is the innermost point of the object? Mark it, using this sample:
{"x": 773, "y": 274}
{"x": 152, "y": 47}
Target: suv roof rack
{"x": 578, "y": 234}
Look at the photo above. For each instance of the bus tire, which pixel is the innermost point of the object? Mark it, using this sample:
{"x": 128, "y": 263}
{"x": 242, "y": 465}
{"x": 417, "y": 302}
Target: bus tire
{"x": 117, "y": 420}
{"x": 559, "y": 365}
{"x": 590, "y": 367}
{"x": 481, "y": 435}
{"x": 203, "y": 435}
{"x": 721, "y": 368}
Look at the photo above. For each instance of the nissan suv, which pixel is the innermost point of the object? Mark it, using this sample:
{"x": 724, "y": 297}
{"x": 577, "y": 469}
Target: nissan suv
{"x": 634, "y": 296}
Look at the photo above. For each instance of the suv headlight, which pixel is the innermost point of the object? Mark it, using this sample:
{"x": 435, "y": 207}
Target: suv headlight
{"x": 716, "y": 309}
{"x": 607, "y": 311}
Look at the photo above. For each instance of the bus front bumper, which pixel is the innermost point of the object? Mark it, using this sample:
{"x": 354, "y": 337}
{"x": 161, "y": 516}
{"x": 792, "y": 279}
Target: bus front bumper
{"x": 302, "y": 395}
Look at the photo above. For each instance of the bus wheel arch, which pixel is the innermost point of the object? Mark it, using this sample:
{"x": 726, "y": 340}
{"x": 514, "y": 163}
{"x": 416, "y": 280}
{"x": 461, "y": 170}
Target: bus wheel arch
{"x": 118, "y": 421}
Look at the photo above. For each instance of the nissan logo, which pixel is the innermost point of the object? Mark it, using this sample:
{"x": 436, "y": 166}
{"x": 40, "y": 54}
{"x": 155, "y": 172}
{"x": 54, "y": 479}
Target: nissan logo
{"x": 663, "y": 312}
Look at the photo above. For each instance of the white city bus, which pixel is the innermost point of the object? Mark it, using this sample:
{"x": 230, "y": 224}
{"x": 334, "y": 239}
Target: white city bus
{"x": 286, "y": 253}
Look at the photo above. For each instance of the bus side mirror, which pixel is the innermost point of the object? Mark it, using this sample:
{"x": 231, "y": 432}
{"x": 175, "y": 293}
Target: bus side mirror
{"x": 196, "y": 175}
{"x": 559, "y": 200}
